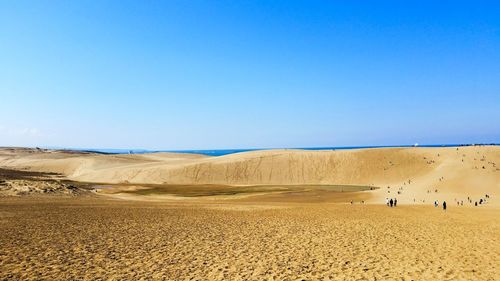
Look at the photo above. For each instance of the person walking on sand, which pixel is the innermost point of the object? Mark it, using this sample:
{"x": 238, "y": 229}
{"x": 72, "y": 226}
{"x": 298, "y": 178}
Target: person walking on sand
{"x": 391, "y": 202}
{"x": 395, "y": 202}
{"x": 444, "y": 205}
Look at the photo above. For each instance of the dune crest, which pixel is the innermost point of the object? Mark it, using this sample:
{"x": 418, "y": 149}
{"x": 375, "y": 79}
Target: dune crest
{"x": 418, "y": 174}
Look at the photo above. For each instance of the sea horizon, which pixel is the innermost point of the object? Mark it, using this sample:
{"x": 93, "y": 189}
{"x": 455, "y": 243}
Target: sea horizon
{"x": 223, "y": 151}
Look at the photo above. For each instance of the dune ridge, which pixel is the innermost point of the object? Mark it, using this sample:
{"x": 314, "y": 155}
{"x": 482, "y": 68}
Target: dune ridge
{"x": 452, "y": 171}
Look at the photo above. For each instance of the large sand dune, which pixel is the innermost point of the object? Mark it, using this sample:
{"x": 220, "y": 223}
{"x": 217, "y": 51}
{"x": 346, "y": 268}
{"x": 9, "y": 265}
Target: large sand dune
{"x": 421, "y": 175}
{"x": 293, "y": 235}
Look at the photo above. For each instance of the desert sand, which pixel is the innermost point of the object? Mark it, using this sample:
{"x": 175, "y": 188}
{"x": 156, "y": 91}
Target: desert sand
{"x": 262, "y": 215}
{"x": 89, "y": 238}
{"x": 420, "y": 175}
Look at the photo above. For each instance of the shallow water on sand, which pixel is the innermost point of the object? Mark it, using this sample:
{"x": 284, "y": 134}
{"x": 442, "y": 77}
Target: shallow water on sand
{"x": 225, "y": 190}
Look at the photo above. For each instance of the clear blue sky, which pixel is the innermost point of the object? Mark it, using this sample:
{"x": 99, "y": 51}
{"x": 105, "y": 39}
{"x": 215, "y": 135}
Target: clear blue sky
{"x": 241, "y": 74}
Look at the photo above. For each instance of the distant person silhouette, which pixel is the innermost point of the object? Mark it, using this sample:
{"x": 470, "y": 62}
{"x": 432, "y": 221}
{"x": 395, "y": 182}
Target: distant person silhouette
{"x": 444, "y": 205}
{"x": 395, "y": 202}
{"x": 391, "y": 202}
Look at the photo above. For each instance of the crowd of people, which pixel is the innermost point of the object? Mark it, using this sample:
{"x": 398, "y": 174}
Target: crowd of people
{"x": 390, "y": 202}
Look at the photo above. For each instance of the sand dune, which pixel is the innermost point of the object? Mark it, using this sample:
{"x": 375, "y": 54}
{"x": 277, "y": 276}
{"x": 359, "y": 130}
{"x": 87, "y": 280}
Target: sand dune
{"x": 303, "y": 234}
{"x": 455, "y": 173}
{"x": 88, "y": 238}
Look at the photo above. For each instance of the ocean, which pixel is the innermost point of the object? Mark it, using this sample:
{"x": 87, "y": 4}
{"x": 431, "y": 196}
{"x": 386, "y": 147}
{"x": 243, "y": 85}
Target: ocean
{"x": 221, "y": 152}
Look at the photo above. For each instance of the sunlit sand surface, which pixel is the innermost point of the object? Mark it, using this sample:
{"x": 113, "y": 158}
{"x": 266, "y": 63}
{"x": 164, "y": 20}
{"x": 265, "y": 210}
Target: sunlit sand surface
{"x": 264, "y": 215}
{"x": 413, "y": 175}
{"x": 86, "y": 237}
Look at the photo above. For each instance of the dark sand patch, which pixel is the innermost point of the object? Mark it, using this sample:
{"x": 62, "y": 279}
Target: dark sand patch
{"x": 210, "y": 190}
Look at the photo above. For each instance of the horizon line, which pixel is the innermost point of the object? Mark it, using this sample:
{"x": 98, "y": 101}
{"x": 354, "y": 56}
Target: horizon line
{"x": 143, "y": 150}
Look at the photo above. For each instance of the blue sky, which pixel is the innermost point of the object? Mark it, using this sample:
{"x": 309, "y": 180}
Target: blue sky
{"x": 241, "y": 74}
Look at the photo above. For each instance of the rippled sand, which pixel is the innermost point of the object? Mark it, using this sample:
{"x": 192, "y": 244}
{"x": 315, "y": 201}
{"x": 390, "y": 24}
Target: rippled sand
{"x": 88, "y": 238}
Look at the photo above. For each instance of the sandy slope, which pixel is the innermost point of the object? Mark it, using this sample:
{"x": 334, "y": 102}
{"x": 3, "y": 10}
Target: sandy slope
{"x": 456, "y": 173}
{"x": 91, "y": 238}
{"x": 298, "y": 235}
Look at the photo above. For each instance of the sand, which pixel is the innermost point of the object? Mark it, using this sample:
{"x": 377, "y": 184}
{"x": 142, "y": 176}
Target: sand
{"x": 89, "y": 238}
{"x": 262, "y": 215}
{"x": 420, "y": 175}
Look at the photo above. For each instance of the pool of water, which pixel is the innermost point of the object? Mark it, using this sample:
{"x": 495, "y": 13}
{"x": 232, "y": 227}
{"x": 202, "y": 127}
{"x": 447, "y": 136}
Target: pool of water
{"x": 218, "y": 190}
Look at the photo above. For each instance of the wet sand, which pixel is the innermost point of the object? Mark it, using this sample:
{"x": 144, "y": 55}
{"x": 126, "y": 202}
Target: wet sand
{"x": 265, "y": 193}
{"x": 93, "y": 237}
